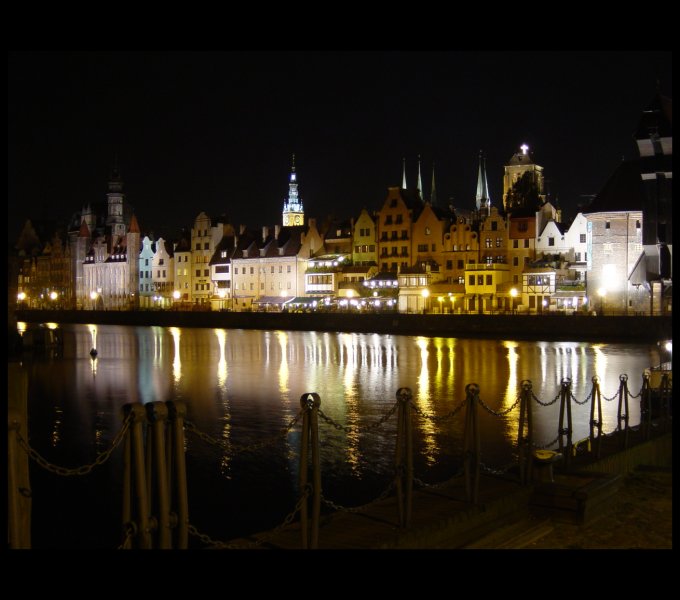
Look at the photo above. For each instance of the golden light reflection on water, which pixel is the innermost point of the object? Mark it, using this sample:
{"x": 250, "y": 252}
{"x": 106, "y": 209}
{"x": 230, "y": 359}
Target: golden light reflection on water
{"x": 176, "y": 334}
{"x": 235, "y": 381}
{"x": 423, "y": 401}
{"x": 225, "y": 417}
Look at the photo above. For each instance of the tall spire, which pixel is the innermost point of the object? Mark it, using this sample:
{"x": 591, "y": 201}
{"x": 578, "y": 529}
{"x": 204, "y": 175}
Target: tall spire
{"x": 403, "y": 179}
{"x": 483, "y": 198}
{"x": 293, "y": 212}
{"x": 433, "y": 194}
{"x": 420, "y": 180}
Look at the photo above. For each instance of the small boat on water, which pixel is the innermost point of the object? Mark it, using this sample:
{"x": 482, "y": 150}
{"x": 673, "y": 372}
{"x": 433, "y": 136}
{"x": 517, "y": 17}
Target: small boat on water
{"x": 93, "y": 353}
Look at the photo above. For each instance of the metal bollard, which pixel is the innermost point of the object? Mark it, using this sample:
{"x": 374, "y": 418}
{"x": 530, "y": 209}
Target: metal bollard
{"x": 565, "y": 410}
{"x": 646, "y": 407}
{"x": 525, "y": 443}
{"x": 471, "y": 444}
{"x": 596, "y": 423}
{"x": 310, "y": 435}
{"x": 403, "y": 459}
{"x": 157, "y": 414}
{"x": 140, "y": 479}
{"x": 622, "y": 412}
{"x": 177, "y": 412}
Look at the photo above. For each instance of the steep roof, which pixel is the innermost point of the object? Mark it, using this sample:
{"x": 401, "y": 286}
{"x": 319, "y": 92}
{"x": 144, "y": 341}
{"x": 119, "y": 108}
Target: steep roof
{"x": 622, "y": 192}
{"x": 656, "y": 117}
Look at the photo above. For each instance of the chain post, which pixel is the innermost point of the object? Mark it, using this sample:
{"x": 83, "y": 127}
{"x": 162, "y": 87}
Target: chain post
{"x": 18, "y": 480}
{"x": 403, "y": 457}
{"x": 138, "y": 415}
{"x": 177, "y": 412}
{"x": 471, "y": 444}
{"x": 622, "y": 411}
{"x": 595, "y": 423}
{"x": 310, "y": 404}
{"x": 157, "y": 415}
{"x": 645, "y": 407}
{"x": 565, "y": 410}
{"x": 525, "y": 443}
{"x": 666, "y": 392}
{"x": 316, "y": 470}
{"x": 127, "y": 482}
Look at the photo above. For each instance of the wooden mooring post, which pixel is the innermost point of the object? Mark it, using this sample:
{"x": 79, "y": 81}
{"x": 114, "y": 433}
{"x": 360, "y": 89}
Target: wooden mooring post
{"x": 471, "y": 444}
{"x": 525, "y": 441}
{"x": 403, "y": 458}
{"x": 18, "y": 482}
{"x": 310, "y": 404}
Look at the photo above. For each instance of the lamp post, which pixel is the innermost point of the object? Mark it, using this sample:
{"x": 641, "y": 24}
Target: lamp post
{"x": 602, "y": 292}
{"x": 440, "y": 299}
{"x": 513, "y": 295}
{"x": 93, "y": 296}
{"x": 425, "y": 294}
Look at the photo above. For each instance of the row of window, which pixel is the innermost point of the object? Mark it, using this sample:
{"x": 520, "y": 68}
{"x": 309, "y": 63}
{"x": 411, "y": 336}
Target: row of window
{"x": 261, "y": 270}
{"x": 398, "y": 219}
{"x": 394, "y": 235}
{"x": 365, "y": 232}
{"x": 499, "y": 242}
{"x": 365, "y": 248}
{"x": 424, "y": 247}
{"x": 148, "y": 274}
{"x": 206, "y": 272}
{"x": 319, "y": 279}
{"x": 480, "y": 279}
{"x": 206, "y": 245}
{"x": 395, "y": 251}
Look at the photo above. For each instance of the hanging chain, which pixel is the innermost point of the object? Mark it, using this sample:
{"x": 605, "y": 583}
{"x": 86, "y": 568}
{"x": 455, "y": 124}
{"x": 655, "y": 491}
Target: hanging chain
{"x": 353, "y": 428}
{"x": 217, "y": 544}
{"x": 83, "y": 470}
{"x": 555, "y": 399}
{"x": 500, "y": 413}
{"x": 502, "y": 471}
{"x": 544, "y": 446}
{"x": 356, "y": 509}
{"x": 235, "y": 448}
{"x": 436, "y": 486}
{"x": 441, "y": 418}
{"x": 584, "y": 401}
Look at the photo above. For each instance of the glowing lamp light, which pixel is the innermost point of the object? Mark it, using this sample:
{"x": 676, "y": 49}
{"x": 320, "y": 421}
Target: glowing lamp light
{"x": 602, "y": 292}
{"x": 375, "y": 294}
{"x": 54, "y": 295}
{"x": 513, "y": 292}
{"x": 93, "y": 295}
{"x": 350, "y": 293}
{"x": 176, "y": 294}
{"x": 21, "y": 296}
{"x": 425, "y": 293}
{"x": 220, "y": 293}
{"x": 669, "y": 346}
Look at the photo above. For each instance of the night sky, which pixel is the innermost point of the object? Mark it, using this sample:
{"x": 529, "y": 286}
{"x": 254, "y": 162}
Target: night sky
{"x": 215, "y": 131}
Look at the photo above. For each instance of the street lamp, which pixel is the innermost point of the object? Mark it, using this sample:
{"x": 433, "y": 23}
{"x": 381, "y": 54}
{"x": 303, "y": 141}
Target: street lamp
{"x": 440, "y": 299}
{"x": 602, "y": 292}
{"x": 425, "y": 294}
{"x": 513, "y": 295}
{"x": 21, "y": 297}
{"x": 93, "y": 296}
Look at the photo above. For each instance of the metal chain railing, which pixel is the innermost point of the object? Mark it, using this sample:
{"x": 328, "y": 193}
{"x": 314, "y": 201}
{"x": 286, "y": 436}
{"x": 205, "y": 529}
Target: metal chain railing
{"x": 82, "y": 470}
{"x": 546, "y": 446}
{"x": 555, "y": 399}
{"x": 353, "y": 428}
{"x": 217, "y": 544}
{"x": 236, "y": 448}
{"x": 639, "y": 394}
{"x": 501, "y": 471}
{"x": 616, "y": 395}
{"x": 499, "y": 413}
{"x": 441, "y": 418}
{"x": 436, "y": 486}
{"x": 583, "y": 401}
{"x": 357, "y": 509}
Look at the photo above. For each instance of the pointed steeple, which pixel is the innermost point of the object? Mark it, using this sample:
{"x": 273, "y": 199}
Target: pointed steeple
{"x": 134, "y": 225}
{"x": 420, "y": 180}
{"x": 293, "y": 211}
{"x": 403, "y": 178}
{"x": 433, "y": 194}
{"x": 482, "y": 198}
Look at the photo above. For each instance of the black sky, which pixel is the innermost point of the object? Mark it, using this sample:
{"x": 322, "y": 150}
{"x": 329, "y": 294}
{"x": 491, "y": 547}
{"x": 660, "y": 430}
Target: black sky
{"x": 215, "y": 131}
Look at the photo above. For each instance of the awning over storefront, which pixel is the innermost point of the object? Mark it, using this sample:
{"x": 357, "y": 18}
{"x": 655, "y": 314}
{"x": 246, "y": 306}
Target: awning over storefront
{"x": 278, "y": 300}
{"x": 303, "y": 301}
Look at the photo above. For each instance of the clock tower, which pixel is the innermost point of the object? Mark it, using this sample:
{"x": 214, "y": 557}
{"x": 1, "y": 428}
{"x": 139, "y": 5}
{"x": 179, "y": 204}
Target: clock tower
{"x": 293, "y": 212}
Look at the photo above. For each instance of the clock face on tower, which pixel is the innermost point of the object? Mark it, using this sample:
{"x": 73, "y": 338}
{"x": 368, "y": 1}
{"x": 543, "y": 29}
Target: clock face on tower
{"x": 298, "y": 220}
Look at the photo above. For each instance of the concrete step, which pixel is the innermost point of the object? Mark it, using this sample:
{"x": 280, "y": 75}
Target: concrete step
{"x": 514, "y": 536}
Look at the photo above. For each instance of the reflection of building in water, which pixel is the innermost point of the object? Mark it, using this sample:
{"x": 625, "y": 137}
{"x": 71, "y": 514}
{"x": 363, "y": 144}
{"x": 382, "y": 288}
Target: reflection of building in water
{"x": 223, "y": 396}
{"x": 282, "y": 337}
{"x": 423, "y": 401}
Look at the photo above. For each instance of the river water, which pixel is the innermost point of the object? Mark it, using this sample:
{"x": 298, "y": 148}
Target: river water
{"x": 243, "y": 386}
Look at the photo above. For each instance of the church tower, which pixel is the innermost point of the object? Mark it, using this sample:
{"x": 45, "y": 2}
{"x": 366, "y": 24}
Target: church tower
{"x": 293, "y": 212}
{"x": 114, "y": 217}
{"x": 523, "y": 184}
{"x": 483, "y": 197}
